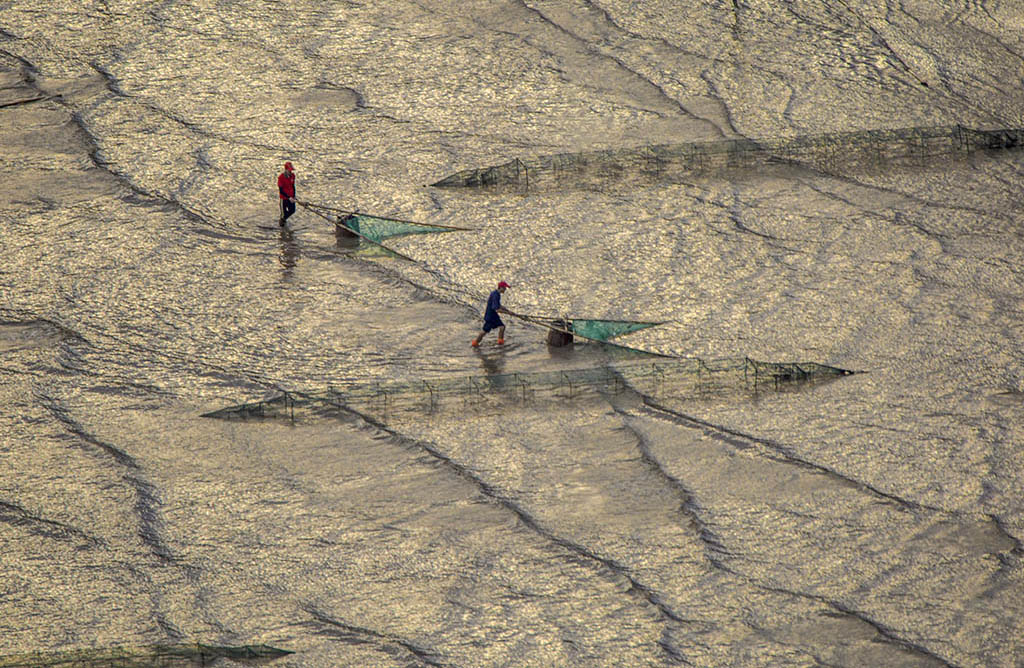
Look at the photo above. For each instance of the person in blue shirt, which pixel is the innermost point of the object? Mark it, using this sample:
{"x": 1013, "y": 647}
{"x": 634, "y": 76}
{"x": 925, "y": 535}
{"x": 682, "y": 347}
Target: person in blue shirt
{"x": 491, "y": 318}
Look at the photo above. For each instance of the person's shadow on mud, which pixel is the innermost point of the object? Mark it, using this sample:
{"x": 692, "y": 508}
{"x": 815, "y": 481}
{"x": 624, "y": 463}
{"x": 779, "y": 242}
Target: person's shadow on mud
{"x": 288, "y": 255}
{"x": 492, "y": 362}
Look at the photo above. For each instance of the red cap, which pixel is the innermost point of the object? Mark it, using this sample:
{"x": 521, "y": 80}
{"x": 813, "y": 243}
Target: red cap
{"x": 503, "y": 284}
{"x": 288, "y": 166}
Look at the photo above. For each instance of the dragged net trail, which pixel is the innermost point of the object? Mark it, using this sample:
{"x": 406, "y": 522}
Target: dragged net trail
{"x": 147, "y": 656}
{"x": 659, "y": 379}
{"x": 867, "y": 149}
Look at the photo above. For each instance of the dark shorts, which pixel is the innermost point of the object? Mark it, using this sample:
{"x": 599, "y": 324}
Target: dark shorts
{"x": 493, "y": 323}
{"x": 287, "y": 208}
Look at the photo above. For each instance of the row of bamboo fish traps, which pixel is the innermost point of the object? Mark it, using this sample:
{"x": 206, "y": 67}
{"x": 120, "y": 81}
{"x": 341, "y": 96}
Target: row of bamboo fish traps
{"x": 681, "y": 377}
{"x": 865, "y": 148}
{"x": 181, "y": 655}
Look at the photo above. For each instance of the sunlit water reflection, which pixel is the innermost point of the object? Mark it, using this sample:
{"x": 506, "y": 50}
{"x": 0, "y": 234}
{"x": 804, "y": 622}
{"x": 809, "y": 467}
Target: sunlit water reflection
{"x": 872, "y": 520}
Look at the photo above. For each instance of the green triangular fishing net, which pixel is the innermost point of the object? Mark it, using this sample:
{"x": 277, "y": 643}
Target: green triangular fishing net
{"x": 377, "y": 229}
{"x": 602, "y": 330}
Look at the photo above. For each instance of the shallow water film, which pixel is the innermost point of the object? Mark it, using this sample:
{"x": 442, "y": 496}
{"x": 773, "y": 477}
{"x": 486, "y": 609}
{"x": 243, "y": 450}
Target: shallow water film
{"x": 869, "y": 519}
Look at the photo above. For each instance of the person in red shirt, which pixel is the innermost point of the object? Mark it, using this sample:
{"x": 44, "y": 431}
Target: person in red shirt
{"x": 286, "y": 188}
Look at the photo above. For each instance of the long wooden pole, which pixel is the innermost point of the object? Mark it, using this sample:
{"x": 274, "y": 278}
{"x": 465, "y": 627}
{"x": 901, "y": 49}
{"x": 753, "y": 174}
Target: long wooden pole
{"x": 310, "y": 205}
